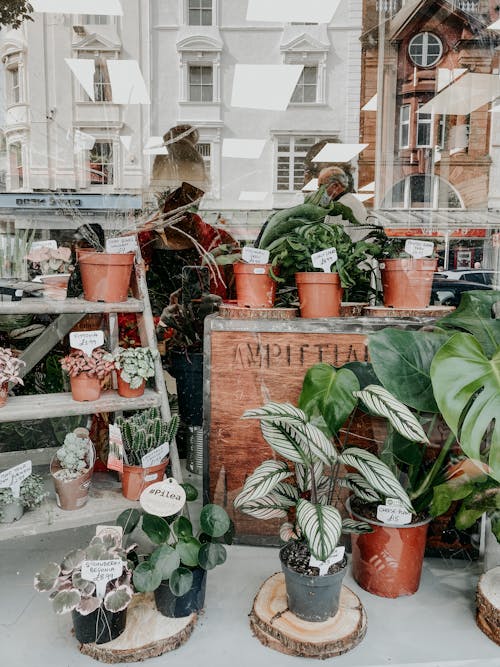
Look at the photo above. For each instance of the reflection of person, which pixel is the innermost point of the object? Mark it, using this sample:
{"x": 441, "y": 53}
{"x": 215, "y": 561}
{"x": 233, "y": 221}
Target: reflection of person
{"x": 182, "y": 161}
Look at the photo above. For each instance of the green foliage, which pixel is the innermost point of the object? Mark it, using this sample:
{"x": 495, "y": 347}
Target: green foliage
{"x": 135, "y": 364}
{"x": 74, "y": 456}
{"x": 145, "y": 431}
{"x": 14, "y": 12}
{"x": 32, "y": 493}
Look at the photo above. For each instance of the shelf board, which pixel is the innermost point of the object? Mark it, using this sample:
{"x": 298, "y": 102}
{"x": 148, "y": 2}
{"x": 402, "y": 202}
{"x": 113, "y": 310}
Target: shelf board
{"x": 38, "y": 306}
{"x": 43, "y": 406}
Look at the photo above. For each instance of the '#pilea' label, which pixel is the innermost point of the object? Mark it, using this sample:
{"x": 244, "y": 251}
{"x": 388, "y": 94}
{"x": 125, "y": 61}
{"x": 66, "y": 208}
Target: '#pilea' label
{"x": 163, "y": 498}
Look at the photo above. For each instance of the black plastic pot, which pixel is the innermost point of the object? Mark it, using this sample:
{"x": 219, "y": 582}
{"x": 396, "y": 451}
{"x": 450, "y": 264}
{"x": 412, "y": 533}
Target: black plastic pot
{"x": 187, "y": 369}
{"x": 312, "y": 598}
{"x": 177, "y": 607}
{"x": 101, "y": 626}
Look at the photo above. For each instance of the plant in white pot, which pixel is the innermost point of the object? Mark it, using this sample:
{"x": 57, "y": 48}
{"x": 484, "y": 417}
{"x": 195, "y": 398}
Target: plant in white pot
{"x": 10, "y": 369}
{"x": 72, "y": 468}
{"x": 31, "y": 495}
{"x": 135, "y": 365}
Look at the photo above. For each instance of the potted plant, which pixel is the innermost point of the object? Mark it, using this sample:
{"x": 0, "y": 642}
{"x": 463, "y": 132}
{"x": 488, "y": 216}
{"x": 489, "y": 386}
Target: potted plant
{"x": 95, "y": 619}
{"x": 31, "y": 496}
{"x": 10, "y": 369}
{"x": 176, "y": 570}
{"x": 303, "y": 483}
{"x": 134, "y": 365}
{"x": 87, "y": 372}
{"x": 71, "y": 469}
{"x": 142, "y": 433}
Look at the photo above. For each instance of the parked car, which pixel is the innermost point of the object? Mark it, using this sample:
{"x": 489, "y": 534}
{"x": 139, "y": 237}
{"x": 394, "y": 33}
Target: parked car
{"x": 483, "y": 276}
{"x": 447, "y": 292}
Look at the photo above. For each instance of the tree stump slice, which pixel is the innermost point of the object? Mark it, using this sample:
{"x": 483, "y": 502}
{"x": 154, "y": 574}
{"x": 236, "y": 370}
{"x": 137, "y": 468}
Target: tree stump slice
{"x": 279, "y": 629}
{"x": 234, "y": 312}
{"x": 147, "y": 634}
{"x": 430, "y": 311}
{"x": 488, "y": 604}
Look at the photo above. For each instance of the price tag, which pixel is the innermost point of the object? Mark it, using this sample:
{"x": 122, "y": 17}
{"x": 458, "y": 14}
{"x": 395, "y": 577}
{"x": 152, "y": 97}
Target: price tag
{"x": 419, "y": 249}
{"x": 100, "y": 572}
{"x": 121, "y": 245}
{"x": 51, "y": 244}
{"x": 163, "y": 498}
{"x": 116, "y": 451}
{"x": 325, "y": 565}
{"x": 255, "y": 255}
{"x": 86, "y": 340}
{"x": 393, "y": 513}
{"x": 13, "y": 477}
{"x": 324, "y": 259}
{"x": 155, "y": 456}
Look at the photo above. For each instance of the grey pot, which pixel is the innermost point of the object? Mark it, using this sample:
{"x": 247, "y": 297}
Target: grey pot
{"x": 312, "y": 598}
{"x": 11, "y": 512}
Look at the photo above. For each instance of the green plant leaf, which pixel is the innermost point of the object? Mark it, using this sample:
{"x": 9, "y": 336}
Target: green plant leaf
{"x": 191, "y": 491}
{"x": 146, "y": 577}
{"x": 360, "y": 487}
{"x": 467, "y": 517}
{"x": 188, "y": 551}
{"x": 311, "y": 439}
{"x": 273, "y": 411}
{"x": 264, "y": 479}
{"x": 444, "y": 494}
{"x": 72, "y": 560}
{"x": 66, "y": 601}
{"x": 214, "y": 520}
{"x": 467, "y": 388}
{"x": 282, "y": 438}
{"x": 182, "y": 527}
{"x": 211, "y": 554}
{"x": 357, "y": 527}
{"x": 181, "y": 581}
{"x": 156, "y": 528}
{"x": 47, "y": 577}
{"x": 364, "y": 372}
{"x": 272, "y": 506}
{"x": 165, "y": 560}
{"x": 321, "y": 527}
{"x": 128, "y": 520}
{"x": 118, "y": 599}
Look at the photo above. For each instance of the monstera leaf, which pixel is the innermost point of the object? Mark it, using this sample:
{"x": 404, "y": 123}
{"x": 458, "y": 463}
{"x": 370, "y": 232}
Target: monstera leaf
{"x": 467, "y": 388}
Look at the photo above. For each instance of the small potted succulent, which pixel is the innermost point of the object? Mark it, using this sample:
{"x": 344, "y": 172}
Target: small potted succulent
{"x": 134, "y": 365}
{"x": 143, "y": 433}
{"x": 95, "y": 619}
{"x": 10, "y": 368}
{"x": 52, "y": 265}
{"x": 87, "y": 372}
{"x": 31, "y": 496}
{"x": 71, "y": 469}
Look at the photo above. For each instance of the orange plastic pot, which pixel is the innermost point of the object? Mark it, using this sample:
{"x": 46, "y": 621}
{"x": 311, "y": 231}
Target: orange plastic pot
{"x": 4, "y": 392}
{"x": 407, "y": 283}
{"x": 85, "y": 387}
{"x": 135, "y": 479}
{"x": 254, "y": 286}
{"x": 125, "y": 390}
{"x": 388, "y": 561}
{"x": 106, "y": 276}
{"x": 320, "y": 294}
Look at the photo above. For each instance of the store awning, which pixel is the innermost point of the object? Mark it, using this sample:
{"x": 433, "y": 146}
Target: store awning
{"x": 441, "y": 222}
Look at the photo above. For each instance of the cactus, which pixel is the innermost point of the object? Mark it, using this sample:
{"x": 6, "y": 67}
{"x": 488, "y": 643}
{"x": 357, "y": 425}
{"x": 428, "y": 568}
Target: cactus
{"x": 143, "y": 432}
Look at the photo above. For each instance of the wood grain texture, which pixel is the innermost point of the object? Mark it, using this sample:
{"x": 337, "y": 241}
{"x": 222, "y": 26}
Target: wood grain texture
{"x": 147, "y": 634}
{"x": 488, "y": 604}
{"x": 240, "y": 313}
{"x": 430, "y": 311}
{"x": 279, "y": 629}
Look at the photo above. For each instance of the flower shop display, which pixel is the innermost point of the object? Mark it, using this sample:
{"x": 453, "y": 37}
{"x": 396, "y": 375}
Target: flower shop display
{"x": 10, "y": 369}
{"x": 87, "y": 372}
{"x": 72, "y": 468}
{"x": 32, "y": 493}
{"x": 134, "y": 365}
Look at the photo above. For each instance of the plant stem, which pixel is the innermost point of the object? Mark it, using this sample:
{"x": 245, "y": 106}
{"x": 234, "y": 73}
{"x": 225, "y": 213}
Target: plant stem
{"x": 429, "y": 478}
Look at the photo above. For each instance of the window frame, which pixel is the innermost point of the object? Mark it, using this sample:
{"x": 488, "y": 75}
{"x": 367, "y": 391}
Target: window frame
{"x": 113, "y": 164}
{"x": 19, "y": 165}
{"x": 423, "y": 123}
{"x": 95, "y": 55}
{"x": 201, "y": 11}
{"x": 184, "y": 14}
{"x": 292, "y": 153}
{"x": 14, "y": 62}
{"x": 404, "y": 124}
{"x": 425, "y": 45}
{"x": 302, "y": 85}
{"x": 201, "y": 66}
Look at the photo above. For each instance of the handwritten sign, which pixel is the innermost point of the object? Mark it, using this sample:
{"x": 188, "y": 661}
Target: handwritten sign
{"x": 116, "y": 451}
{"x": 393, "y": 513}
{"x": 51, "y": 244}
{"x": 100, "y": 572}
{"x": 121, "y": 245}
{"x": 155, "y": 456}
{"x": 324, "y": 259}
{"x": 163, "y": 498}
{"x": 325, "y": 565}
{"x": 255, "y": 255}
{"x": 13, "y": 477}
{"x": 87, "y": 341}
{"x": 419, "y": 249}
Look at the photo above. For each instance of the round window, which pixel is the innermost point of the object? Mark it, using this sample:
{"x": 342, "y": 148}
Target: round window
{"x": 425, "y": 49}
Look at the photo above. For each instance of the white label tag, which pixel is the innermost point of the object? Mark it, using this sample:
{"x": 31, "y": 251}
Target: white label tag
{"x": 156, "y": 456}
{"x": 13, "y": 477}
{"x": 115, "y": 531}
{"x": 419, "y": 249}
{"x": 163, "y": 498}
{"x": 324, "y": 566}
{"x": 100, "y": 572}
{"x": 87, "y": 341}
{"x": 324, "y": 259}
{"x": 393, "y": 514}
{"x": 121, "y": 245}
{"x": 259, "y": 272}
{"x": 36, "y": 245}
{"x": 116, "y": 452}
{"x": 255, "y": 255}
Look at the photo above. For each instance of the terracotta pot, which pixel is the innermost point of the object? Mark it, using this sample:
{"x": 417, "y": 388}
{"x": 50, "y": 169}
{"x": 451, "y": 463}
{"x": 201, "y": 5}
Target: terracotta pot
{"x": 135, "y": 479}
{"x": 388, "y": 562}
{"x": 4, "y": 393}
{"x": 407, "y": 283}
{"x": 90, "y": 322}
{"x": 125, "y": 390}
{"x": 106, "y": 276}
{"x": 320, "y": 294}
{"x": 254, "y": 286}
{"x": 85, "y": 387}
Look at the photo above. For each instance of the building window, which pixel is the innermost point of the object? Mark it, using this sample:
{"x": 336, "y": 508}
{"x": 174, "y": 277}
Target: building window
{"x": 424, "y": 129}
{"x": 16, "y": 166}
{"x": 422, "y": 191}
{"x": 291, "y": 153}
{"x": 425, "y": 49}
{"x": 102, "y": 83}
{"x": 205, "y": 150}
{"x": 404, "y": 126}
{"x": 95, "y": 19}
{"x": 307, "y": 86}
{"x": 199, "y": 12}
{"x": 201, "y": 87}
{"x": 101, "y": 163}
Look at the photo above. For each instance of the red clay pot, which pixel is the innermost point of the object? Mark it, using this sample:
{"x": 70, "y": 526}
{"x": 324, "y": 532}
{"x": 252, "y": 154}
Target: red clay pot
{"x": 254, "y": 286}
{"x": 106, "y": 276}
{"x": 135, "y": 479}
{"x": 320, "y": 294}
{"x": 85, "y": 387}
{"x": 407, "y": 282}
{"x": 125, "y": 390}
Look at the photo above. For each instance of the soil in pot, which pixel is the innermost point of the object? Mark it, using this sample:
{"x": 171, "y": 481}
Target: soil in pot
{"x": 254, "y": 286}
{"x": 192, "y": 601}
{"x": 135, "y": 479}
{"x": 388, "y": 561}
{"x": 320, "y": 294}
{"x": 125, "y": 390}
{"x": 407, "y": 282}
{"x": 12, "y": 511}
{"x": 106, "y": 276}
{"x": 310, "y": 597}
{"x": 85, "y": 387}
{"x": 101, "y": 626}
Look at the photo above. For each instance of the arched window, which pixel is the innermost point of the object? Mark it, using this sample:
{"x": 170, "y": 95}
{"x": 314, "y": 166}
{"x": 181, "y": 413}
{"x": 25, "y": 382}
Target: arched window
{"x": 425, "y": 49}
{"x": 422, "y": 191}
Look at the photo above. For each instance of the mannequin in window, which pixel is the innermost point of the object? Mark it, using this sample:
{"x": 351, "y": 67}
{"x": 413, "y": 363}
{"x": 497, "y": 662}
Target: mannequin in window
{"x": 182, "y": 161}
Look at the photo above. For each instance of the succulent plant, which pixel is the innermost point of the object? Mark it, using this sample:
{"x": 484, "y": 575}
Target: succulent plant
{"x": 31, "y": 496}
{"x": 98, "y": 363}
{"x": 145, "y": 431}
{"x": 74, "y": 456}
{"x": 135, "y": 364}
{"x": 10, "y": 366}
{"x": 50, "y": 260}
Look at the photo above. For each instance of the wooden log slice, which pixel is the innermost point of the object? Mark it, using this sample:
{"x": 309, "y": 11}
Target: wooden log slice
{"x": 430, "y": 311}
{"x": 488, "y": 604}
{"x": 278, "y": 628}
{"x": 241, "y": 313}
{"x": 147, "y": 634}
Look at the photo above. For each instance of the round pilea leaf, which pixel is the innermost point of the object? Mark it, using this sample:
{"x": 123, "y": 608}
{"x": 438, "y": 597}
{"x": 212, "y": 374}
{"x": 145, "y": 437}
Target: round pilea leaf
{"x": 211, "y": 554}
{"x": 181, "y": 581}
{"x": 214, "y": 520}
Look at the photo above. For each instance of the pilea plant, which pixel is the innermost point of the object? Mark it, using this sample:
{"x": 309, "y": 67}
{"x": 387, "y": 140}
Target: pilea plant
{"x": 99, "y": 363}
{"x": 10, "y": 367}
{"x": 143, "y": 432}
{"x": 73, "y": 456}
{"x": 135, "y": 364}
